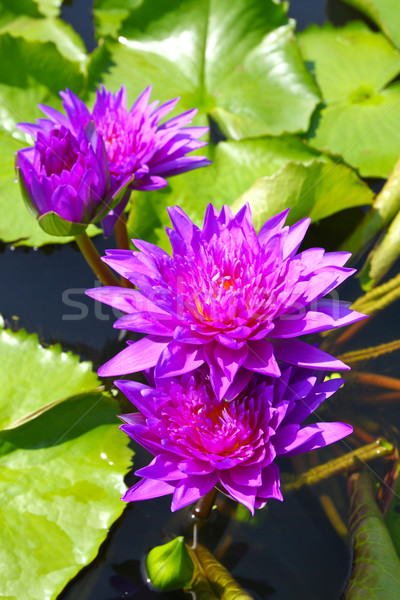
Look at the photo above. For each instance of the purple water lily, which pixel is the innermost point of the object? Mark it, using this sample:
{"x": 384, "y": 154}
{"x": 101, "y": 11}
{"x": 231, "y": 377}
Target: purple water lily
{"x": 227, "y": 297}
{"x": 136, "y": 144}
{"x": 199, "y": 441}
{"x": 65, "y": 178}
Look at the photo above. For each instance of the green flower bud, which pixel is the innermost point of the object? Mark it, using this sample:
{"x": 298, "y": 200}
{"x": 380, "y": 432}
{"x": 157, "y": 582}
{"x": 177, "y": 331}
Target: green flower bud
{"x": 169, "y": 567}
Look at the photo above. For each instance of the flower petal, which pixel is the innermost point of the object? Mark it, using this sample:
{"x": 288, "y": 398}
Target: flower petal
{"x": 191, "y": 489}
{"x": 146, "y": 489}
{"x": 136, "y": 357}
{"x": 297, "y": 352}
{"x": 177, "y": 358}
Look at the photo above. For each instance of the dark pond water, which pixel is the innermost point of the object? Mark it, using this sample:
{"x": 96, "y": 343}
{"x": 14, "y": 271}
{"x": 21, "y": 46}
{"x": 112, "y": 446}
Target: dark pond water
{"x": 289, "y": 550}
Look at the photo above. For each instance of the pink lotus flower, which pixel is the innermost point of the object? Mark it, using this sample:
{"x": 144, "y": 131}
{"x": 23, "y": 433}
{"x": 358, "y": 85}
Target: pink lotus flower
{"x": 227, "y": 297}
{"x": 137, "y": 145}
{"x": 199, "y": 441}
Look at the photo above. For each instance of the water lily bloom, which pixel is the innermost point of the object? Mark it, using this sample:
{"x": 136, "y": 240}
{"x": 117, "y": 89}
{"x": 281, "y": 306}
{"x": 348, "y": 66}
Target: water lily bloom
{"x": 65, "y": 179}
{"x": 199, "y": 441}
{"x": 226, "y": 297}
{"x": 137, "y": 145}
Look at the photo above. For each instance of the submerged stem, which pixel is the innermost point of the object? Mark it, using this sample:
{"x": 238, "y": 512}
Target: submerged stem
{"x": 92, "y": 257}
{"x": 339, "y": 465}
{"x": 369, "y": 353}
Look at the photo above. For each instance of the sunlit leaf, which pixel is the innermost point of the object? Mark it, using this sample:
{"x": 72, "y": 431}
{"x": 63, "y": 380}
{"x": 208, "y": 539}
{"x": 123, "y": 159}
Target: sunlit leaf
{"x": 62, "y": 463}
{"x": 317, "y": 190}
{"x": 271, "y": 173}
{"x": 32, "y": 72}
{"x": 50, "y": 8}
{"x": 68, "y": 43}
{"x": 61, "y": 479}
{"x": 235, "y": 61}
{"x": 12, "y": 9}
{"x": 109, "y": 14}
{"x": 33, "y": 377}
{"x": 384, "y": 13}
{"x": 360, "y": 117}
{"x": 376, "y": 567}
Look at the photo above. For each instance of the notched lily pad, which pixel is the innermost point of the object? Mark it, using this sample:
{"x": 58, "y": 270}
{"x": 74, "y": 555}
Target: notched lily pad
{"x": 62, "y": 464}
{"x": 384, "y": 13}
{"x": 359, "y": 119}
{"x": 33, "y": 377}
{"x": 237, "y": 61}
{"x": 270, "y": 173}
{"x": 61, "y": 478}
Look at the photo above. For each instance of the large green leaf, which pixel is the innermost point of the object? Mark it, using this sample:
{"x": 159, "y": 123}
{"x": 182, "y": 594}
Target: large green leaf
{"x": 61, "y": 479}
{"x": 267, "y": 172}
{"x": 109, "y": 14}
{"x": 235, "y": 61}
{"x": 385, "y": 13}
{"x": 32, "y": 72}
{"x": 41, "y": 376}
{"x": 50, "y": 8}
{"x": 62, "y": 463}
{"x": 376, "y": 567}
{"x": 317, "y": 189}
{"x": 11, "y": 9}
{"x": 68, "y": 43}
{"x": 360, "y": 118}
{"x": 17, "y": 225}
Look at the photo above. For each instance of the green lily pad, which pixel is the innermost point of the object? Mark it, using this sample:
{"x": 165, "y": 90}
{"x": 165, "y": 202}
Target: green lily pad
{"x": 384, "y": 13}
{"x": 17, "y": 225}
{"x": 253, "y": 170}
{"x": 317, "y": 189}
{"x": 69, "y": 44}
{"x": 109, "y": 14}
{"x": 49, "y": 8}
{"x": 235, "y": 61}
{"x": 11, "y": 9}
{"x": 41, "y": 376}
{"x": 61, "y": 479}
{"x": 30, "y": 73}
{"x": 361, "y": 113}
{"x": 62, "y": 464}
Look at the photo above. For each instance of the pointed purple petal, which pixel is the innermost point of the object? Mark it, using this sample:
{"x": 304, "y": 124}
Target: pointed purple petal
{"x": 178, "y": 358}
{"x": 311, "y": 437}
{"x": 297, "y": 352}
{"x": 191, "y": 489}
{"x": 164, "y": 467}
{"x": 261, "y": 358}
{"x": 146, "y": 489}
{"x": 136, "y": 357}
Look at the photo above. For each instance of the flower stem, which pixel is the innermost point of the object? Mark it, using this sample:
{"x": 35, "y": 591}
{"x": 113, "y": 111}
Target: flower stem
{"x": 92, "y": 257}
{"x": 121, "y": 233}
{"x": 203, "y": 507}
